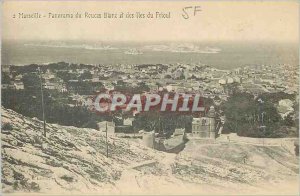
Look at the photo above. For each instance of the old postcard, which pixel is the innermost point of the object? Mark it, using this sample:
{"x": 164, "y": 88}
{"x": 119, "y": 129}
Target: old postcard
{"x": 150, "y": 97}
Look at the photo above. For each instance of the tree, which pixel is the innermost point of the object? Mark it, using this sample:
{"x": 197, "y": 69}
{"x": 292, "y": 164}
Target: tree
{"x": 142, "y": 87}
{"x": 31, "y": 81}
{"x": 248, "y": 117}
{"x": 66, "y": 76}
{"x": 5, "y": 78}
{"x": 122, "y": 86}
{"x": 181, "y": 77}
{"x": 85, "y": 75}
{"x": 168, "y": 76}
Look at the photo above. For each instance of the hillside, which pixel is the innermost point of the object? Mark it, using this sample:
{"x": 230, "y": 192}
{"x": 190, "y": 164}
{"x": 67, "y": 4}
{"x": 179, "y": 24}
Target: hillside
{"x": 73, "y": 160}
{"x": 68, "y": 159}
{"x": 240, "y": 167}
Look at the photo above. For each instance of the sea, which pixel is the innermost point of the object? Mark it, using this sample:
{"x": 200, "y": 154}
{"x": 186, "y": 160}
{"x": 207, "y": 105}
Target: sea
{"x": 221, "y": 55}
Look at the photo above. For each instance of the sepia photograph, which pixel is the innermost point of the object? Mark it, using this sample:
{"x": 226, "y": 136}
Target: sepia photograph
{"x": 149, "y": 97}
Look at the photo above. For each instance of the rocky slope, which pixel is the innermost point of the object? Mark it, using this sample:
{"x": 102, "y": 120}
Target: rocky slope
{"x": 73, "y": 160}
{"x": 240, "y": 167}
{"x": 68, "y": 159}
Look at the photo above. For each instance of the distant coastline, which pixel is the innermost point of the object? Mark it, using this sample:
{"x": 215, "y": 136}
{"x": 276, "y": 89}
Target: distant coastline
{"x": 223, "y": 55}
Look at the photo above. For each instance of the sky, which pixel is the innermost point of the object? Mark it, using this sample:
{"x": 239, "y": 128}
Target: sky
{"x": 217, "y": 21}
